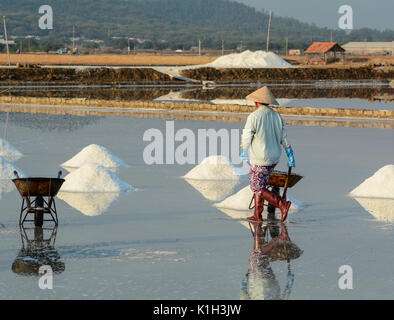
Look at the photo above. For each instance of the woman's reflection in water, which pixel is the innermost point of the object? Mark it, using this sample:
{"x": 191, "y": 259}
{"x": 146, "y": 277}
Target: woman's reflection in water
{"x": 37, "y": 250}
{"x": 260, "y": 282}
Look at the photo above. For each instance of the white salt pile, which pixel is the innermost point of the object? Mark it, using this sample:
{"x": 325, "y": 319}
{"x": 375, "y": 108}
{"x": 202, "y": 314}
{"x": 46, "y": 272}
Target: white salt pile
{"x": 380, "y": 185}
{"x": 90, "y": 204}
{"x": 381, "y": 209}
{"x": 8, "y": 151}
{"x": 93, "y": 177}
{"x": 241, "y": 200}
{"x": 213, "y": 168}
{"x": 94, "y": 154}
{"x": 249, "y": 59}
{"x": 7, "y": 170}
{"x": 213, "y": 190}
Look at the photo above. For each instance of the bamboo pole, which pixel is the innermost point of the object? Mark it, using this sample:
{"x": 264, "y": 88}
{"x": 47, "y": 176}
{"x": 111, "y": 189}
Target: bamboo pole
{"x": 269, "y": 31}
{"x": 6, "y": 40}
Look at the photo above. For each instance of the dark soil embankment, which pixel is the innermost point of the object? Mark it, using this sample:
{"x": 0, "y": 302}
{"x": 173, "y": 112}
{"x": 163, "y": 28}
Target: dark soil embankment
{"x": 365, "y": 93}
{"x": 149, "y": 94}
{"x": 114, "y": 93}
{"x": 287, "y": 74}
{"x": 82, "y": 76}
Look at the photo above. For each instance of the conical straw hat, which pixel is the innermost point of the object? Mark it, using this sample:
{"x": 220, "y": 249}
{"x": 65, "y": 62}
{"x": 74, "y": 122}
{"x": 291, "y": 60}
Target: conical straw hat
{"x": 263, "y": 95}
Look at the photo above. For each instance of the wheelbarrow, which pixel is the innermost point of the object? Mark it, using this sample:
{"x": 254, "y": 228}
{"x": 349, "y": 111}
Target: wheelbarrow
{"x": 277, "y": 180}
{"x": 38, "y": 198}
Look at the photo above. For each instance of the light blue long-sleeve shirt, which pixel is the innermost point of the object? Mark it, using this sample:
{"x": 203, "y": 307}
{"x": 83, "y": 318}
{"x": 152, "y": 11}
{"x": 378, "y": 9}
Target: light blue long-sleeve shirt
{"x": 265, "y": 134}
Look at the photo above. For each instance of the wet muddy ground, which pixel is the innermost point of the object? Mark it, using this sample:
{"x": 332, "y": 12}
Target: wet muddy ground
{"x": 167, "y": 241}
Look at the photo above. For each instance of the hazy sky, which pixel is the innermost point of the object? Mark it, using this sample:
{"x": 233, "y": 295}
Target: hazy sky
{"x": 376, "y": 14}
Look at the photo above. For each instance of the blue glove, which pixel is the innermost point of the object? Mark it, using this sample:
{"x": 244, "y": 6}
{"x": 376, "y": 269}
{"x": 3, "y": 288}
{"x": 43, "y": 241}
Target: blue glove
{"x": 244, "y": 155}
{"x": 290, "y": 155}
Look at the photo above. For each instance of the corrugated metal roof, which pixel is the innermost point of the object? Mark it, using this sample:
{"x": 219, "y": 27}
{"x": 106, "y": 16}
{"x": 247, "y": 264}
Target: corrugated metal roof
{"x": 323, "y": 47}
{"x": 363, "y": 45}
{"x": 10, "y": 42}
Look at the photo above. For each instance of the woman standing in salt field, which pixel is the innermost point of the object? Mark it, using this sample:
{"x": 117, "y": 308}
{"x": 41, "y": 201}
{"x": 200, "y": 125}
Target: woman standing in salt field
{"x": 265, "y": 133}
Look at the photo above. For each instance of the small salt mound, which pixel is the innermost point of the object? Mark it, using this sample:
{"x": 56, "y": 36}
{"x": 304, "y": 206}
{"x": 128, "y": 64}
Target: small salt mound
{"x": 249, "y": 59}
{"x": 213, "y": 168}
{"x": 380, "y": 185}
{"x": 89, "y": 204}
{"x": 241, "y": 200}
{"x": 7, "y": 170}
{"x": 381, "y": 209}
{"x": 213, "y": 190}
{"x": 93, "y": 177}
{"x": 8, "y": 151}
{"x": 97, "y": 154}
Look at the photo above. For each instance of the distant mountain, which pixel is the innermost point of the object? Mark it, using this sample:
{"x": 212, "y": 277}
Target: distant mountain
{"x": 171, "y": 23}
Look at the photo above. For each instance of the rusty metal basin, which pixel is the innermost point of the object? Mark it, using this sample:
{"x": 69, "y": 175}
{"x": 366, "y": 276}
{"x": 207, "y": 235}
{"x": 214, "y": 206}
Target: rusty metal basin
{"x": 278, "y": 179}
{"x": 32, "y": 187}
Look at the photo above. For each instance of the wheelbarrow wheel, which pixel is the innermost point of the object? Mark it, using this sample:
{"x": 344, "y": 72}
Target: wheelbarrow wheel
{"x": 39, "y": 218}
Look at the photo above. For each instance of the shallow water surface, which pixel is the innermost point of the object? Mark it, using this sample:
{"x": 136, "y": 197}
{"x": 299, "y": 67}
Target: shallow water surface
{"x": 167, "y": 241}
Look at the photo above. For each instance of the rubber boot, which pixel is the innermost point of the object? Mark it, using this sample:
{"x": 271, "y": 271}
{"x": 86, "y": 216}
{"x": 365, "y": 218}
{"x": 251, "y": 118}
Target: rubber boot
{"x": 277, "y": 202}
{"x": 258, "y": 208}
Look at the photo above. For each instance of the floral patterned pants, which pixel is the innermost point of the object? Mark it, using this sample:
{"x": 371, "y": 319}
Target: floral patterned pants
{"x": 259, "y": 176}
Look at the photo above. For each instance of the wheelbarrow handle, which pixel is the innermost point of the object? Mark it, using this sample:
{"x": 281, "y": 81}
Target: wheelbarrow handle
{"x": 287, "y": 183}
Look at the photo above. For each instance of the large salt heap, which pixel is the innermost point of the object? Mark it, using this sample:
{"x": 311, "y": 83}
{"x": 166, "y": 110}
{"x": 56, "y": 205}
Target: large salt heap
{"x": 380, "y": 185}
{"x": 93, "y": 177}
{"x": 250, "y": 59}
{"x": 376, "y": 194}
{"x": 94, "y": 154}
{"x": 213, "y": 168}
{"x": 8, "y": 151}
{"x": 213, "y": 190}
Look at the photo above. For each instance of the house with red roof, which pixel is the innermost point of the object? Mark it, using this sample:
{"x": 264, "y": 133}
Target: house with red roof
{"x": 325, "y": 49}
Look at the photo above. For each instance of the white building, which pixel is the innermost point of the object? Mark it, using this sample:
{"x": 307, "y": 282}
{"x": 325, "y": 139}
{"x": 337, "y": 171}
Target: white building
{"x": 10, "y": 42}
{"x": 369, "y": 48}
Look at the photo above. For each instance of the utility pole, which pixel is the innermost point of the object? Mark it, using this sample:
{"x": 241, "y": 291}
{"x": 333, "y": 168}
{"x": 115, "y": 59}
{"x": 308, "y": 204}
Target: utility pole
{"x": 269, "y": 31}
{"x": 287, "y": 46}
{"x": 73, "y": 38}
{"x": 128, "y": 45}
{"x": 222, "y": 47}
{"x": 6, "y": 40}
{"x": 199, "y": 47}
{"x": 331, "y": 36}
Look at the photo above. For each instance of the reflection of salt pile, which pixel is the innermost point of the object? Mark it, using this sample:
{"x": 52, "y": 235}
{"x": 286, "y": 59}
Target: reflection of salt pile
{"x": 213, "y": 168}
{"x": 8, "y": 151}
{"x": 381, "y": 209}
{"x": 93, "y": 177}
{"x": 97, "y": 154}
{"x": 5, "y": 187}
{"x": 7, "y": 170}
{"x": 89, "y": 204}
{"x": 249, "y": 59}
{"x": 238, "y": 215}
{"x": 213, "y": 190}
{"x": 6, "y": 175}
{"x": 380, "y": 185}
{"x": 241, "y": 200}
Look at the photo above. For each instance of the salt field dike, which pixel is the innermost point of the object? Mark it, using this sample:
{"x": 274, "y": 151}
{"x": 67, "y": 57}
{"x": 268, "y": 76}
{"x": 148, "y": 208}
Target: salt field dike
{"x": 194, "y": 159}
